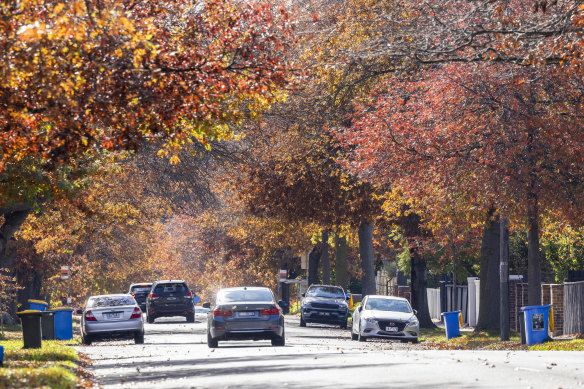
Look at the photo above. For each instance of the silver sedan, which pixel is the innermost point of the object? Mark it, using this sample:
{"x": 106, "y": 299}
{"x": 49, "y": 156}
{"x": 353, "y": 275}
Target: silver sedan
{"x": 111, "y": 316}
{"x": 249, "y": 313}
{"x": 385, "y": 317}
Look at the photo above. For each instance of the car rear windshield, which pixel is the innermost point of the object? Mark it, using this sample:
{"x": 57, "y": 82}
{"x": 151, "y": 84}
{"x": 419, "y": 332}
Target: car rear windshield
{"x": 110, "y": 301}
{"x": 171, "y": 288}
{"x": 388, "y": 305}
{"x": 229, "y": 296}
{"x": 326, "y": 292}
{"x": 140, "y": 289}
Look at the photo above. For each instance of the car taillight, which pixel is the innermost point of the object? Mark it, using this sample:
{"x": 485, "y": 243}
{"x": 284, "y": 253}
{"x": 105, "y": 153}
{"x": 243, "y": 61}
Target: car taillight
{"x": 89, "y": 316}
{"x": 136, "y": 314}
{"x": 189, "y": 294}
{"x": 271, "y": 311}
{"x": 134, "y": 295}
{"x": 218, "y": 312}
{"x": 154, "y": 296}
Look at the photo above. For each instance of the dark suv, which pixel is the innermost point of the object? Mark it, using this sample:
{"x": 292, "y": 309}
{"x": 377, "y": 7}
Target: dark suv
{"x": 324, "y": 304}
{"x": 170, "y": 298}
{"x": 140, "y": 292}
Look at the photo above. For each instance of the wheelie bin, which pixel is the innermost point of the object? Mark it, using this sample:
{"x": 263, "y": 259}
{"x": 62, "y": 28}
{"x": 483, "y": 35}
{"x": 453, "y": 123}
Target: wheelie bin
{"x": 63, "y": 323}
{"x": 37, "y": 305}
{"x": 31, "y": 328}
{"x": 48, "y": 325}
{"x": 451, "y": 324}
{"x": 536, "y": 323}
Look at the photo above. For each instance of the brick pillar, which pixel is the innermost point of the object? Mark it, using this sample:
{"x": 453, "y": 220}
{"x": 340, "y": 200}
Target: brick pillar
{"x": 557, "y": 301}
{"x": 521, "y": 298}
{"x": 513, "y": 309}
{"x": 546, "y": 294}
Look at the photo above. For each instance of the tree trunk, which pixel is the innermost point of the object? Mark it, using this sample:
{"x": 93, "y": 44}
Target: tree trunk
{"x": 418, "y": 283}
{"x": 504, "y": 279}
{"x": 313, "y": 259}
{"x": 341, "y": 261}
{"x": 13, "y": 220}
{"x": 489, "y": 275}
{"x": 325, "y": 259}
{"x": 533, "y": 256}
{"x": 366, "y": 254}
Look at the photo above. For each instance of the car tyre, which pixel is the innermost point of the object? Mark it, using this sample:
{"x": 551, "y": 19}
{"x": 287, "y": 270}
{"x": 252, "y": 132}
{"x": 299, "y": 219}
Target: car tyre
{"x": 212, "y": 343}
{"x": 280, "y": 341}
{"x": 415, "y": 341}
{"x": 344, "y": 325}
{"x": 302, "y": 322}
{"x": 360, "y": 337}
{"x": 85, "y": 339}
{"x": 139, "y": 338}
{"x": 191, "y": 318}
{"x": 150, "y": 318}
{"x": 354, "y": 336}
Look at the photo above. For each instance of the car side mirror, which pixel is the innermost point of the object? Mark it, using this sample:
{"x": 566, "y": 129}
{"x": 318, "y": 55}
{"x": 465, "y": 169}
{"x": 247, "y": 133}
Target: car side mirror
{"x": 303, "y": 295}
{"x": 79, "y": 311}
{"x": 415, "y": 312}
{"x": 360, "y": 308}
{"x": 206, "y": 305}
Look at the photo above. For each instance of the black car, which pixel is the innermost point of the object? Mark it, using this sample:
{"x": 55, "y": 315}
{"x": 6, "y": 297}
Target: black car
{"x": 140, "y": 293}
{"x": 170, "y": 298}
{"x": 324, "y": 304}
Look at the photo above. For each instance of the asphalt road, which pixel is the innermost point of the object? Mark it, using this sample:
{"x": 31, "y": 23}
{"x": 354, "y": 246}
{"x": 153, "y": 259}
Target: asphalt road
{"x": 175, "y": 355}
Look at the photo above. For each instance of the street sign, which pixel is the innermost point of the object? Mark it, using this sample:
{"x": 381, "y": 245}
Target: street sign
{"x": 283, "y": 274}
{"x": 64, "y": 272}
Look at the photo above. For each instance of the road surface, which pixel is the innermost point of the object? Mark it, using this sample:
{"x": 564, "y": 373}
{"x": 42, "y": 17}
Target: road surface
{"x": 175, "y": 355}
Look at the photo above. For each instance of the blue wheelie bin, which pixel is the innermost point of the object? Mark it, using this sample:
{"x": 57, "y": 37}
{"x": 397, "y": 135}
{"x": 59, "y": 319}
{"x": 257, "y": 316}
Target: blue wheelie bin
{"x": 536, "y": 323}
{"x": 1, "y": 355}
{"x": 451, "y": 324}
{"x": 63, "y": 323}
{"x": 37, "y": 305}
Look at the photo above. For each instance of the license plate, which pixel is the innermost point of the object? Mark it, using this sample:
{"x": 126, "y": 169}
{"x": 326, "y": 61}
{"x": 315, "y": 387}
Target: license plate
{"x": 171, "y": 298}
{"x": 113, "y": 315}
{"x": 391, "y": 329}
{"x": 245, "y": 314}
{"x": 324, "y": 313}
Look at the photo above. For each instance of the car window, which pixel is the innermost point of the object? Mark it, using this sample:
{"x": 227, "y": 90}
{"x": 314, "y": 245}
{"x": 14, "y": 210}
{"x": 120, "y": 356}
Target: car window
{"x": 388, "y": 305}
{"x": 170, "y": 288}
{"x": 326, "y": 292}
{"x": 229, "y": 296}
{"x": 140, "y": 289}
{"x": 110, "y": 301}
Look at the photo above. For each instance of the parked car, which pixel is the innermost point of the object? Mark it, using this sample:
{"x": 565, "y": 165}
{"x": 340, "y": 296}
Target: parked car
{"x": 385, "y": 317}
{"x": 324, "y": 304}
{"x": 170, "y": 298}
{"x": 245, "y": 313}
{"x": 140, "y": 293}
{"x": 111, "y": 316}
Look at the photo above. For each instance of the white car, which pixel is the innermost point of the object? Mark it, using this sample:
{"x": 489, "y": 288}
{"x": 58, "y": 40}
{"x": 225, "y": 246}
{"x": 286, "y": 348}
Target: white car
{"x": 385, "y": 317}
{"x": 111, "y": 316}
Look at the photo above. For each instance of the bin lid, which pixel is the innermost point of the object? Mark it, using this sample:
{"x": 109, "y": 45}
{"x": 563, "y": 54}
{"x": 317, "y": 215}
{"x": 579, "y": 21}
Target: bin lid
{"x": 62, "y": 309}
{"x": 450, "y": 313}
{"x": 32, "y": 312}
{"x": 38, "y": 302}
{"x": 530, "y": 307}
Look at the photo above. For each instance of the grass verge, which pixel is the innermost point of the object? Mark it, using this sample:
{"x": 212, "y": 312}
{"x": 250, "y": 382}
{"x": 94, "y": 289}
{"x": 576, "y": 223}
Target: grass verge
{"x": 54, "y": 365}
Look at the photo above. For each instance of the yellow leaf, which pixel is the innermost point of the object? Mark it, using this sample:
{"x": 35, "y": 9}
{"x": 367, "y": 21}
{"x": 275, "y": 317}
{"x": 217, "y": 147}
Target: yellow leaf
{"x": 58, "y": 8}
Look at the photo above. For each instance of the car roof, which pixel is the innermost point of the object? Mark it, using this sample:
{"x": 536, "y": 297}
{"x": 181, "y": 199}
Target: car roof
{"x": 328, "y": 286}
{"x": 141, "y": 284}
{"x": 387, "y": 297}
{"x": 246, "y": 288}
{"x": 169, "y": 281}
{"x": 112, "y": 295}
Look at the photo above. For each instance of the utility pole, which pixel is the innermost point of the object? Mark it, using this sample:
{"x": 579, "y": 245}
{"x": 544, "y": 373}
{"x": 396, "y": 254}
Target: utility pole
{"x": 504, "y": 278}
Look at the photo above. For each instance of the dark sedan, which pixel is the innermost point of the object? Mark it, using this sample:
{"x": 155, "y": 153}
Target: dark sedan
{"x": 245, "y": 313}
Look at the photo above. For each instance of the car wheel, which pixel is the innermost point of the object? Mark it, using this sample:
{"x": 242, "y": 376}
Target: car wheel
{"x": 344, "y": 325}
{"x": 354, "y": 336}
{"x": 302, "y": 322}
{"x": 85, "y": 339}
{"x": 150, "y": 318}
{"x": 415, "y": 340}
{"x": 281, "y": 341}
{"x": 360, "y": 337}
{"x": 139, "y": 338}
{"x": 191, "y": 318}
{"x": 212, "y": 343}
